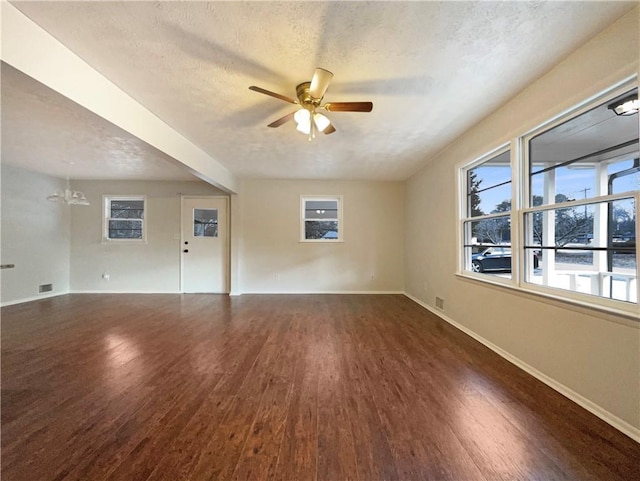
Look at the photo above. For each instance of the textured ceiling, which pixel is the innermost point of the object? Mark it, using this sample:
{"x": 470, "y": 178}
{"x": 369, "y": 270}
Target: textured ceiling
{"x": 432, "y": 70}
{"x": 45, "y": 132}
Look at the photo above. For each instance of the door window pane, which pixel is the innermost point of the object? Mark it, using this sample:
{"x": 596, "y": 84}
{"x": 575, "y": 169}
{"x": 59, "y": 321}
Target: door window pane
{"x": 205, "y": 222}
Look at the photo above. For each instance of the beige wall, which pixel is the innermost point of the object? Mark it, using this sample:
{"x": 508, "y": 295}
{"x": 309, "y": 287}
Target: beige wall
{"x": 272, "y": 259}
{"x": 153, "y": 266}
{"x": 595, "y": 355}
{"x": 35, "y": 235}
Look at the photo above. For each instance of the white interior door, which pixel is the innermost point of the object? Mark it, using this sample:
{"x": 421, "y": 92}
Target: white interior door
{"x": 204, "y": 244}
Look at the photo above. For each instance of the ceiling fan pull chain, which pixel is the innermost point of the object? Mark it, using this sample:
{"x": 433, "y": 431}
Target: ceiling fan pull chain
{"x": 312, "y": 124}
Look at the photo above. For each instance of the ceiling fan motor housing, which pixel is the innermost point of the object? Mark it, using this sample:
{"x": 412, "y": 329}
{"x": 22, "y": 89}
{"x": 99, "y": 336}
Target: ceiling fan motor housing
{"x": 304, "y": 97}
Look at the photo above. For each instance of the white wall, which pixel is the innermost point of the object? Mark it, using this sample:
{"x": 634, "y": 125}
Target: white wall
{"x": 595, "y": 355}
{"x": 153, "y": 266}
{"x": 273, "y": 260}
{"x": 35, "y": 235}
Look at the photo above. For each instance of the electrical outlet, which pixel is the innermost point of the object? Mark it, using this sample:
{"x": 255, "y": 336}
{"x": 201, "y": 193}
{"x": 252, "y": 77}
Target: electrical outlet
{"x": 439, "y": 303}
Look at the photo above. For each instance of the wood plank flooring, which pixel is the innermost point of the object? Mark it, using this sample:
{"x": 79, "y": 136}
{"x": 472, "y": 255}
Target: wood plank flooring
{"x": 323, "y": 387}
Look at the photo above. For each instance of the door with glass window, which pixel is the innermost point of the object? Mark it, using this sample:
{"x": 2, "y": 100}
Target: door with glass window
{"x": 204, "y": 245}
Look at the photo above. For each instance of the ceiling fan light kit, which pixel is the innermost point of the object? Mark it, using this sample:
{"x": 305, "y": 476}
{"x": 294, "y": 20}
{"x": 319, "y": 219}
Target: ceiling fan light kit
{"x": 302, "y": 118}
{"x": 309, "y": 98}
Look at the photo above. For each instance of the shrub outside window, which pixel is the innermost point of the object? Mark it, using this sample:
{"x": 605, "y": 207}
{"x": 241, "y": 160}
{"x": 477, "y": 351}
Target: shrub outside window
{"x": 321, "y": 218}
{"x": 124, "y": 218}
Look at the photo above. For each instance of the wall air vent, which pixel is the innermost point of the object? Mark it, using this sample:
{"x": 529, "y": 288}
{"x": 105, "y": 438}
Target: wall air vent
{"x": 45, "y": 288}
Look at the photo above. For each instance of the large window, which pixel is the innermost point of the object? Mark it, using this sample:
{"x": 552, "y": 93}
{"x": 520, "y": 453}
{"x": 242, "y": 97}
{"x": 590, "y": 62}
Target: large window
{"x": 321, "y": 218}
{"x": 487, "y": 222}
{"x": 124, "y": 218}
{"x": 583, "y": 177}
{"x": 563, "y": 221}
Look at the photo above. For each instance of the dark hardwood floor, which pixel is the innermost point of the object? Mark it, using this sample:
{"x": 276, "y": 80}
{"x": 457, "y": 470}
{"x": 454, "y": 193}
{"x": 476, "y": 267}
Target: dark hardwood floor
{"x": 202, "y": 387}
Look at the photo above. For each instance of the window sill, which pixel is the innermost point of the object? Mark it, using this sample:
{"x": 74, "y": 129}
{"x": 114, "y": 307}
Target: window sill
{"x": 321, "y": 241}
{"x": 124, "y": 241}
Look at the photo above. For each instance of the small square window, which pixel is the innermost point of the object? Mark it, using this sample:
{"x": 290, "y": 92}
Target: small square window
{"x": 124, "y": 218}
{"x": 321, "y": 219}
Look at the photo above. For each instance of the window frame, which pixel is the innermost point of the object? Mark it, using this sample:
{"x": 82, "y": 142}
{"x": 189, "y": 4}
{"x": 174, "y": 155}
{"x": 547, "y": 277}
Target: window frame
{"x": 521, "y": 207}
{"x": 303, "y": 220}
{"x": 603, "y": 303}
{"x": 106, "y": 217}
{"x": 463, "y": 267}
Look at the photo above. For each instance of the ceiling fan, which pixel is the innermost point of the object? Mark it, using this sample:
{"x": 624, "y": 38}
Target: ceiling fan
{"x": 309, "y": 98}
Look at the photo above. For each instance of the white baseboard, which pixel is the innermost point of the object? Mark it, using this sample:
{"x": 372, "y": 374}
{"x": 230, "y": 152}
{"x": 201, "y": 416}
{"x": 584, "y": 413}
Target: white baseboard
{"x": 231, "y": 294}
{"x": 45, "y": 296}
{"x": 620, "y": 424}
{"x": 34, "y": 298}
{"x": 319, "y": 292}
{"x": 124, "y": 292}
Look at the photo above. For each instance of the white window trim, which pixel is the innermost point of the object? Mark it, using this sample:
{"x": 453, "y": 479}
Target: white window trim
{"x": 304, "y": 198}
{"x": 106, "y": 204}
{"x": 462, "y": 268}
{"x": 520, "y": 206}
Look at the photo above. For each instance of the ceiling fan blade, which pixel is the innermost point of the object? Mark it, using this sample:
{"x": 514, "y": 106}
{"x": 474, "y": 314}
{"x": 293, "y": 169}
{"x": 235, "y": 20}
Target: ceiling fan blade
{"x": 273, "y": 94}
{"x": 319, "y": 83}
{"x": 349, "y": 106}
{"x": 282, "y": 120}
{"x": 329, "y": 130}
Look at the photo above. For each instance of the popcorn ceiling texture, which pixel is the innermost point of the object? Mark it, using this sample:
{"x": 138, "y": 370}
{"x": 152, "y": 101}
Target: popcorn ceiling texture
{"x": 43, "y": 131}
{"x": 432, "y": 70}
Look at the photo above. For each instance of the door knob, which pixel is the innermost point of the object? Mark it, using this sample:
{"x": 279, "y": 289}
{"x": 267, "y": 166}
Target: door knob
{"x": 186, "y": 250}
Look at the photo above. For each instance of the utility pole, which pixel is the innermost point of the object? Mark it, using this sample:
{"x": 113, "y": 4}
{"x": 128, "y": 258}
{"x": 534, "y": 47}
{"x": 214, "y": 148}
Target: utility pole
{"x": 584, "y": 191}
